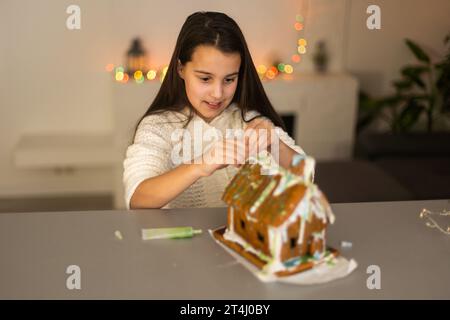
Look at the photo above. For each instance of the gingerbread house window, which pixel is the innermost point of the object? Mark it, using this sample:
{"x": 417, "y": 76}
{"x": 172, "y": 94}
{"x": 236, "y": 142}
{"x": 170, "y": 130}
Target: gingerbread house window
{"x": 293, "y": 242}
{"x": 260, "y": 237}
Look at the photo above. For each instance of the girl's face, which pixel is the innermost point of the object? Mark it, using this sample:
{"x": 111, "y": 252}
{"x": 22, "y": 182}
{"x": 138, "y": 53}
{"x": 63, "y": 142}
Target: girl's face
{"x": 210, "y": 79}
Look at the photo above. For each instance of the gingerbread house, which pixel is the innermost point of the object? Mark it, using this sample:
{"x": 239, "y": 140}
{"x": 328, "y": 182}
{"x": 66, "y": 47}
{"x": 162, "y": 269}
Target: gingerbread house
{"x": 277, "y": 218}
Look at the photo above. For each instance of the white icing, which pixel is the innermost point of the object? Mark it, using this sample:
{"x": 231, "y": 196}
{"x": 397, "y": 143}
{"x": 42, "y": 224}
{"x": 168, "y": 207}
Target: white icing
{"x": 234, "y": 237}
{"x": 264, "y": 194}
{"x": 231, "y": 226}
{"x": 317, "y": 236}
{"x": 308, "y": 170}
{"x": 287, "y": 180}
{"x": 302, "y": 231}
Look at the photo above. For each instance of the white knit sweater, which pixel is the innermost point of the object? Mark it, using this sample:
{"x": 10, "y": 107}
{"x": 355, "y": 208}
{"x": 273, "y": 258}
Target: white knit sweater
{"x": 151, "y": 155}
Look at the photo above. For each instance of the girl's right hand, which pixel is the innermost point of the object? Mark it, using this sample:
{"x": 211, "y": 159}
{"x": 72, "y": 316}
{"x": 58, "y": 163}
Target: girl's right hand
{"x": 223, "y": 153}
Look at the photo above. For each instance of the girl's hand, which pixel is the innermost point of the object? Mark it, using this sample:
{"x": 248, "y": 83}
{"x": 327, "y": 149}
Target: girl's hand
{"x": 260, "y": 131}
{"x": 223, "y": 153}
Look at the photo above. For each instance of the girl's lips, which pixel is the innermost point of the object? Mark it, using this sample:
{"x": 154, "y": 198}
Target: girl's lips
{"x": 213, "y": 106}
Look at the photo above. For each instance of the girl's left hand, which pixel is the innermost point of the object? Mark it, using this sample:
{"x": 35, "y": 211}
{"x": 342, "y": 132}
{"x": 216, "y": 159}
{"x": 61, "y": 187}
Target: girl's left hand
{"x": 263, "y": 128}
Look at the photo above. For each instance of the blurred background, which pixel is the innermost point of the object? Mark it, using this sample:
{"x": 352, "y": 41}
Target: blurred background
{"x": 363, "y": 86}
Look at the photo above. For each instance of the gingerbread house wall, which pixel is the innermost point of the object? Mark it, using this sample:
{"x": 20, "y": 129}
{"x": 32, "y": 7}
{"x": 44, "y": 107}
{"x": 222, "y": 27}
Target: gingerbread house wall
{"x": 308, "y": 246}
{"x": 255, "y": 233}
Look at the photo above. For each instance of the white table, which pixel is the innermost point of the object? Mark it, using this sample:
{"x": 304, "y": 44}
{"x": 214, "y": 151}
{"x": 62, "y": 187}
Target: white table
{"x": 36, "y": 249}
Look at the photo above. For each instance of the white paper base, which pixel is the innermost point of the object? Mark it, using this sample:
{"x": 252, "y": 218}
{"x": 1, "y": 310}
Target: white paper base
{"x": 321, "y": 273}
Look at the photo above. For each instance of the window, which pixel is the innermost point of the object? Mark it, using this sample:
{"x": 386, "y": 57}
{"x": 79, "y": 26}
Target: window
{"x": 260, "y": 237}
{"x": 293, "y": 242}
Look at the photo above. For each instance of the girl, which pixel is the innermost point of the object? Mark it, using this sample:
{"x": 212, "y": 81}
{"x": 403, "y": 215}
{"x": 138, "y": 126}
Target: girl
{"x": 212, "y": 83}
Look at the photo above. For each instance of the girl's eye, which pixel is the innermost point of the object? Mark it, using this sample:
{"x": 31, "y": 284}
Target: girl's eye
{"x": 226, "y": 80}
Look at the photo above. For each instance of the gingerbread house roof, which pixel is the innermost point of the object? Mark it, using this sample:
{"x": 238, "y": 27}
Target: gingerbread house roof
{"x": 274, "y": 198}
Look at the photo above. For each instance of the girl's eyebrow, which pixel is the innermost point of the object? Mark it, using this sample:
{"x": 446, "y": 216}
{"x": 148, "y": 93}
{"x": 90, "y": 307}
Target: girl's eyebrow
{"x": 208, "y": 73}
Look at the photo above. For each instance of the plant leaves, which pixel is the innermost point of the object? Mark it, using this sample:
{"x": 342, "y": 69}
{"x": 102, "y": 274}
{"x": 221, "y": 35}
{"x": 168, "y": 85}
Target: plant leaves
{"x": 409, "y": 115}
{"x": 413, "y": 74}
{"x": 418, "y": 52}
{"x": 402, "y": 84}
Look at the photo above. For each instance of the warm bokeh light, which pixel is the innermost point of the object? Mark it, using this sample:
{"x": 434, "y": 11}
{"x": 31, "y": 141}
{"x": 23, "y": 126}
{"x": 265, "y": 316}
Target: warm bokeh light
{"x": 302, "y": 42}
{"x": 262, "y": 69}
{"x": 126, "y": 77}
{"x": 270, "y": 74}
{"x": 109, "y": 67}
{"x": 119, "y": 76}
{"x": 274, "y": 70}
{"x": 298, "y": 26}
{"x": 138, "y": 75}
{"x": 288, "y": 69}
{"x": 296, "y": 58}
{"x": 302, "y": 49}
{"x": 151, "y": 74}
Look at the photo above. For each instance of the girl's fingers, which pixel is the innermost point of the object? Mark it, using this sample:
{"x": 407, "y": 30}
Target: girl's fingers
{"x": 234, "y": 151}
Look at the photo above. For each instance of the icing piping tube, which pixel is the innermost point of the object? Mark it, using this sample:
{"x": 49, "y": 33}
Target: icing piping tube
{"x": 169, "y": 233}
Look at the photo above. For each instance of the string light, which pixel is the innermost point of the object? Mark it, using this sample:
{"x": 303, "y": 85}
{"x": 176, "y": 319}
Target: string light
{"x": 137, "y": 75}
{"x": 274, "y": 70}
{"x": 301, "y": 49}
{"x": 109, "y": 67}
{"x": 426, "y": 214}
{"x": 151, "y": 75}
{"x": 264, "y": 72}
{"x": 270, "y": 74}
{"x": 302, "y": 42}
{"x": 119, "y": 76}
{"x": 298, "y": 26}
{"x": 261, "y": 68}
{"x": 288, "y": 69}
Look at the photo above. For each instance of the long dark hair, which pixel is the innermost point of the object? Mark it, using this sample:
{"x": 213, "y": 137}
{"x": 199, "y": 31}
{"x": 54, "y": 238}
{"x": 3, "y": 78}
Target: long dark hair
{"x": 222, "y": 32}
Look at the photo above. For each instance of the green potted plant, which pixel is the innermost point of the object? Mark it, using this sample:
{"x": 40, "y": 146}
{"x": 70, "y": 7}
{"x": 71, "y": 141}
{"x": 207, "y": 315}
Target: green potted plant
{"x": 417, "y": 112}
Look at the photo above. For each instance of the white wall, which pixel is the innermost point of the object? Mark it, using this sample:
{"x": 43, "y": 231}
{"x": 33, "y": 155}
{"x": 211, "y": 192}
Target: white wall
{"x": 376, "y": 56}
{"x": 53, "y": 79}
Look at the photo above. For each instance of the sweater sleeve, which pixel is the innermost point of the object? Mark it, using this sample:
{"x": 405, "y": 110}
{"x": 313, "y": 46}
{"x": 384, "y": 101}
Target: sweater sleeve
{"x": 149, "y": 155}
{"x": 286, "y": 139}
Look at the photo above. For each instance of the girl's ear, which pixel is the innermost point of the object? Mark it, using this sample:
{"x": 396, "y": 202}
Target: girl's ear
{"x": 180, "y": 69}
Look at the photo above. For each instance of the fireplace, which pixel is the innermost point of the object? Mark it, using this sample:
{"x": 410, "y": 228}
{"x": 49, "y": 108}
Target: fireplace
{"x": 289, "y": 120}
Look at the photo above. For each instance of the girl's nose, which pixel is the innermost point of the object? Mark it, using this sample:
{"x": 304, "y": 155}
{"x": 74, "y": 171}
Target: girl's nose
{"x": 217, "y": 92}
